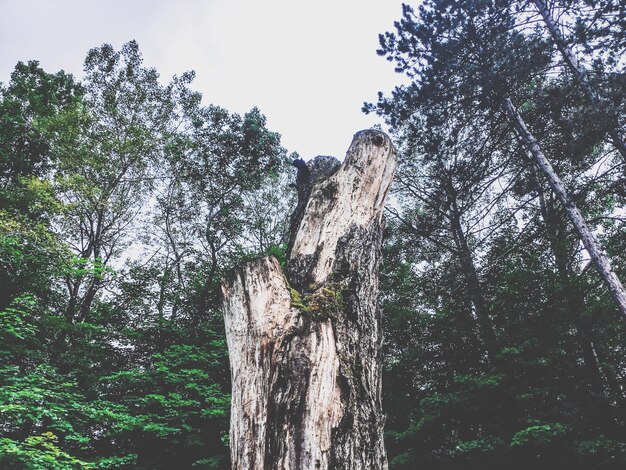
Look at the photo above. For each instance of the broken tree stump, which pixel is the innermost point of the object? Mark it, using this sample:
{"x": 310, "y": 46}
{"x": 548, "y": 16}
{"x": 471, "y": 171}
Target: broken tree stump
{"x": 305, "y": 347}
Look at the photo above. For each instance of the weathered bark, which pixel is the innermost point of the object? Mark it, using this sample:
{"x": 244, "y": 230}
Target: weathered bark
{"x": 578, "y": 72}
{"x": 593, "y": 247}
{"x": 305, "y": 353}
{"x": 321, "y": 167}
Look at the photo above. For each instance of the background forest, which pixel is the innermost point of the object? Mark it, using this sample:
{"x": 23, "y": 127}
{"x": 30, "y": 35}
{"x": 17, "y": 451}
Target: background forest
{"x": 124, "y": 199}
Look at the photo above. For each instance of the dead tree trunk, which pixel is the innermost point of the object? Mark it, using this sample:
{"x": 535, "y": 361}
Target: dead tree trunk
{"x": 305, "y": 352}
{"x": 591, "y": 243}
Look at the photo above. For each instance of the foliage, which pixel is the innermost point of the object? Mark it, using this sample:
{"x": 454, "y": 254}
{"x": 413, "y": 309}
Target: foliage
{"x": 502, "y": 346}
{"x": 110, "y": 361}
{"x": 37, "y": 452}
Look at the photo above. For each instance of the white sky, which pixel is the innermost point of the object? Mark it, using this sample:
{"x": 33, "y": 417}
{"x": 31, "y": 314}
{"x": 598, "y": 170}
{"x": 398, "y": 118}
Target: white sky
{"x": 308, "y": 65}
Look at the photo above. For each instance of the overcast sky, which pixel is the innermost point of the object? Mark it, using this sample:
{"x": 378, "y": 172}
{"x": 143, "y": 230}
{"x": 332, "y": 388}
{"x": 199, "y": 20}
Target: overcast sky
{"x": 308, "y": 65}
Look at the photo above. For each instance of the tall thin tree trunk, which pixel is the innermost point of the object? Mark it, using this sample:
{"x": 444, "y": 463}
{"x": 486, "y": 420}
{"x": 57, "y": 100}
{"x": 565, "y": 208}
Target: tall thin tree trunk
{"x": 305, "y": 353}
{"x": 470, "y": 273}
{"x": 573, "y": 299}
{"x": 578, "y": 72}
{"x": 589, "y": 240}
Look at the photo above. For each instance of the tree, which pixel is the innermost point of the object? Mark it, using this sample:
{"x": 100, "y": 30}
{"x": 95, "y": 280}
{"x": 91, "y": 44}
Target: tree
{"x": 578, "y": 72}
{"x": 596, "y": 252}
{"x": 29, "y": 106}
{"x": 464, "y": 59}
{"x": 210, "y": 184}
{"x": 113, "y": 351}
{"x": 305, "y": 357}
{"x": 469, "y": 45}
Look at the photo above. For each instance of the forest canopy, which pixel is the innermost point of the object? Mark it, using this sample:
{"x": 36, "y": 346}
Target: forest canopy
{"x": 124, "y": 199}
